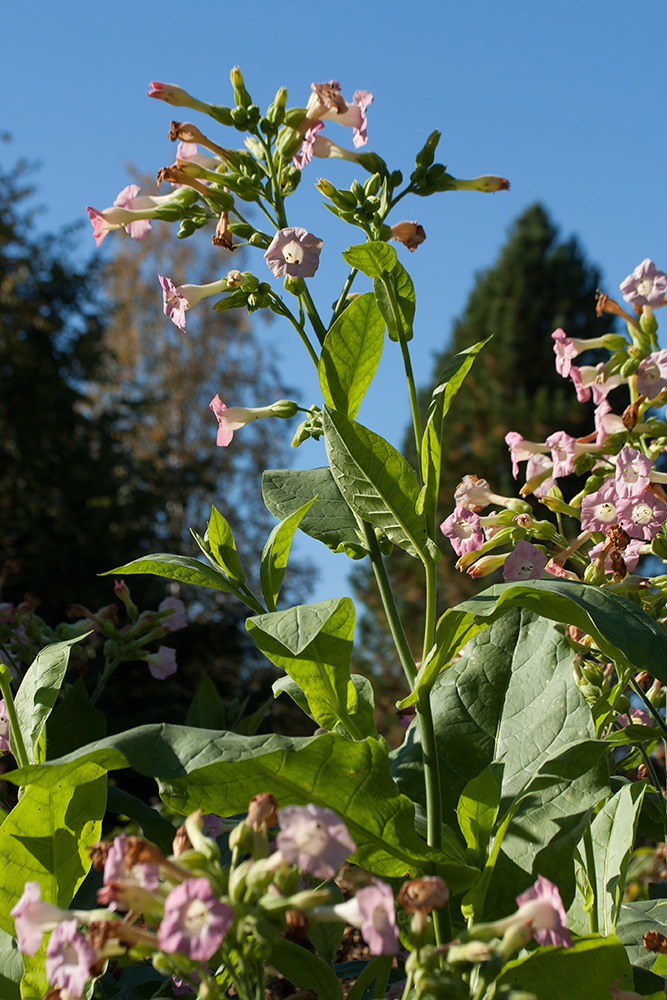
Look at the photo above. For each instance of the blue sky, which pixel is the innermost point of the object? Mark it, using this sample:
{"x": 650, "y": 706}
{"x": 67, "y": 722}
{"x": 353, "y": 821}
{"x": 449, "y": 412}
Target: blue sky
{"x": 566, "y": 100}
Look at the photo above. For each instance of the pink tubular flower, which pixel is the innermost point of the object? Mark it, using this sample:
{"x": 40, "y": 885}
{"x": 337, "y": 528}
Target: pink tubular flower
{"x": 606, "y": 422}
{"x": 195, "y": 921}
{"x": 163, "y": 663}
{"x": 521, "y": 450}
{"x": 33, "y": 917}
{"x": 177, "y": 300}
{"x": 598, "y": 510}
{"x": 525, "y": 563}
{"x": 463, "y": 530}
{"x": 641, "y": 515}
{"x": 634, "y": 716}
{"x": 231, "y": 418}
{"x": 562, "y": 453}
{"x": 123, "y": 215}
{"x": 475, "y": 494}
{"x": 176, "y": 96}
{"x": 632, "y": 471}
{"x": 4, "y": 727}
{"x": 69, "y": 959}
{"x": 652, "y": 374}
{"x": 372, "y": 910}
{"x": 128, "y": 199}
{"x": 294, "y": 252}
{"x": 539, "y": 478}
{"x": 177, "y": 619}
{"x": 646, "y": 286}
{"x": 631, "y": 554}
{"x": 564, "y": 350}
{"x": 313, "y": 838}
{"x": 542, "y": 908}
{"x": 327, "y": 102}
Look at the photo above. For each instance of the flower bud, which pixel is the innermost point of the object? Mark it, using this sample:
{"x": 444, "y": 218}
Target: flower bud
{"x": 594, "y": 574}
{"x": 373, "y": 163}
{"x": 288, "y": 143}
{"x": 426, "y": 154}
{"x": 284, "y": 408}
{"x": 276, "y": 111}
{"x": 647, "y": 322}
{"x": 241, "y": 95}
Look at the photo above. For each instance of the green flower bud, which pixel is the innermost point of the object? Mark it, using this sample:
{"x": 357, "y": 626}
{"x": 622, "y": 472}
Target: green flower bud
{"x": 659, "y": 547}
{"x": 241, "y": 95}
{"x": 221, "y": 114}
{"x": 284, "y": 408}
{"x": 630, "y": 367}
{"x": 593, "y": 673}
{"x": 254, "y": 115}
{"x": 373, "y": 163}
{"x": 276, "y": 111}
{"x": 259, "y": 240}
{"x": 186, "y": 228}
{"x": 594, "y": 574}
{"x": 288, "y": 143}
{"x": 295, "y": 286}
{"x": 622, "y": 704}
{"x": 648, "y": 322}
{"x": 395, "y": 178}
{"x": 426, "y": 154}
{"x": 358, "y": 192}
{"x": 372, "y": 185}
{"x": 294, "y": 117}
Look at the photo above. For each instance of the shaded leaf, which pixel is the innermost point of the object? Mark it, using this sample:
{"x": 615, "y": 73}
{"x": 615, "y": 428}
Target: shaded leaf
{"x": 329, "y": 520}
{"x": 584, "y": 972}
{"x": 276, "y": 553}
{"x": 397, "y": 284}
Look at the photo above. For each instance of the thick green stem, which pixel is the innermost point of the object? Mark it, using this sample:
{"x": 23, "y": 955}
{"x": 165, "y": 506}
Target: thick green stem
{"x": 592, "y": 878}
{"x": 17, "y": 744}
{"x": 429, "y": 622}
{"x": 313, "y": 315}
{"x": 389, "y": 605}
{"x": 431, "y": 770}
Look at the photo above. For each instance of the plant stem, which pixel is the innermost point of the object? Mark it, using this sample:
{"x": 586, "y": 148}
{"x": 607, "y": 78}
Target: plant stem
{"x": 18, "y": 746}
{"x": 592, "y": 878}
{"x": 407, "y": 363}
{"x": 338, "y": 308}
{"x": 656, "y": 784}
{"x": 652, "y": 710}
{"x": 313, "y": 315}
{"x": 431, "y": 770}
{"x": 285, "y": 311}
{"x": 389, "y": 605}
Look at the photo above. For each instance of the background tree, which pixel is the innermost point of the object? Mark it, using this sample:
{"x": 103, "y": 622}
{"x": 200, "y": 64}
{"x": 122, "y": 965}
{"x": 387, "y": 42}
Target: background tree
{"x": 538, "y": 284}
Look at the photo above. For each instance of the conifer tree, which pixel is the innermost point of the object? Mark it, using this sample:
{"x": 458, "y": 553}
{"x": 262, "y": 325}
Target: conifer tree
{"x": 538, "y": 284}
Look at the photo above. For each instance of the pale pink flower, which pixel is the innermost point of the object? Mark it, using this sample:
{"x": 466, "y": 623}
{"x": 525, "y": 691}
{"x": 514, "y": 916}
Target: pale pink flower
{"x": 475, "y": 494}
{"x": 128, "y": 199}
{"x": 542, "y": 909}
{"x": 539, "y": 469}
{"x": 606, "y": 422}
{"x": 593, "y": 377}
{"x": 321, "y": 146}
{"x": 525, "y": 563}
{"x": 313, "y": 838}
{"x": 177, "y": 619}
{"x": 178, "y": 299}
{"x": 652, "y": 374}
{"x": 231, "y": 418}
{"x": 634, "y": 716}
{"x": 646, "y": 286}
{"x": 641, "y": 515}
{"x": 5, "y": 728}
{"x": 598, "y": 510}
{"x": 372, "y": 910}
{"x": 521, "y": 450}
{"x": 294, "y": 252}
{"x": 195, "y": 921}
{"x": 327, "y": 102}
{"x": 632, "y": 471}
{"x": 69, "y": 958}
{"x": 564, "y": 350}
{"x": 123, "y": 214}
{"x": 463, "y": 530}
{"x": 562, "y": 453}
{"x": 163, "y": 663}
{"x": 176, "y": 96}
{"x": 33, "y": 917}
{"x": 631, "y": 554}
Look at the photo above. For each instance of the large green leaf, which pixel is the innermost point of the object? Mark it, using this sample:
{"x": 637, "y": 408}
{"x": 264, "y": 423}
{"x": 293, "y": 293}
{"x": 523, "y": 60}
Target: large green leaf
{"x": 305, "y": 969}
{"x": 613, "y": 833}
{"x": 635, "y": 919}
{"x": 395, "y": 297}
{"x": 373, "y": 258}
{"x": 276, "y": 553}
{"x": 449, "y": 384}
{"x": 73, "y": 722}
{"x": 351, "y": 354}
{"x": 375, "y": 480}
{"x": 329, "y": 520}
{"x": 584, "y": 972}
{"x": 223, "y": 547}
{"x": 360, "y": 704}
{"x": 313, "y": 644}
{"x": 220, "y": 772}
{"x": 173, "y": 567}
{"x": 512, "y": 699}
{"x": 621, "y": 629}
{"x": 11, "y": 968}
{"x": 38, "y": 693}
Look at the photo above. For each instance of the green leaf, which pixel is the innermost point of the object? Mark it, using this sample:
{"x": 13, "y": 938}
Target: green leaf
{"x": 476, "y": 811}
{"x": 74, "y": 722}
{"x": 207, "y": 709}
{"x": 613, "y": 832}
{"x": 313, "y": 644}
{"x": 403, "y": 291}
{"x": 220, "y": 772}
{"x": 11, "y": 968}
{"x": 621, "y": 629}
{"x": 360, "y": 706}
{"x": 512, "y": 699}
{"x": 373, "y": 258}
{"x": 305, "y": 970}
{"x": 329, "y": 520}
{"x": 45, "y": 838}
{"x": 276, "y": 553}
{"x": 153, "y": 826}
{"x": 223, "y": 547}
{"x": 375, "y": 480}
{"x": 584, "y": 972}
{"x": 634, "y": 920}
{"x": 351, "y": 354}
{"x": 449, "y": 384}
{"x": 38, "y": 692}
{"x": 173, "y": 567}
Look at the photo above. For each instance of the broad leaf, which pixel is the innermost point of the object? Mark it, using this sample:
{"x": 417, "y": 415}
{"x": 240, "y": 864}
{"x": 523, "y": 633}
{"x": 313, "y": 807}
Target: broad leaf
{"x": 276, "y": 553}
{"x": 373, "y": 258}
{"x": 153, "y": 826}
{"x": 173, "y": 567}
{"x": 305, "y": 969}
{"x": 11, "y": 968}
{"x": 223, "y": 547}
{"x": 635, "y": 919}
{"x": 375, "y": 480}
{"x": 512, "y": 699}
{"x": 351, "y": 354}
{"x": 360, "y": 704}
{"x": 313, "y": 644}
{"x": 329, "y": 520}
{"x": 74, "y": 722}
{"x": 476, "y": 811}
{"x": 395, "y": 290}
{"x": 38, "y": 693}
{"x": 584, "y": 972}
{"x": 621, "y": 629}
{"x": 450, "y": 382}
{"x": 220, "y": 772}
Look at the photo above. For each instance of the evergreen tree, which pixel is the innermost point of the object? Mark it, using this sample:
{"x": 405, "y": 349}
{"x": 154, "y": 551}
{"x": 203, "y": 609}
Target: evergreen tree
{"x": 538, "y": 284}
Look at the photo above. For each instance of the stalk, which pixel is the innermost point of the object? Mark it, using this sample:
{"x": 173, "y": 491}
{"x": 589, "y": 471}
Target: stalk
{"x": 18, "y": 746}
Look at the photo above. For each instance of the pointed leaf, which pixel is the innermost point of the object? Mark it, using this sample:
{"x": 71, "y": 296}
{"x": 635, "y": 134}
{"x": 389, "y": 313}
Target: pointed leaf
{"x": 373, "y": 258}
{"x": 477, "y": 809}
{"x": 360, "y": 702}
{"x": 329, "y": 520}
{"x": 304, "y": 969}
{"x": 351, "y": 354}
{"x": 375, "y": 480}
{"x": 173, "y": 567}
{"x": 402, "y": 291}
{"x": 276, "y": 553}
{"x": 223, "y": 547}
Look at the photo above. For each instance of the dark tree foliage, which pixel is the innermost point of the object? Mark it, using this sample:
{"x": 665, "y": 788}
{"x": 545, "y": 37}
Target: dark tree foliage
{"x": 538, "y": 284}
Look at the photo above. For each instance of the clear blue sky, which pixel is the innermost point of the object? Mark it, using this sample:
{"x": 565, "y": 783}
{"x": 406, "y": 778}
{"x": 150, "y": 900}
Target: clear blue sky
{"x": 566, "y": 100}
